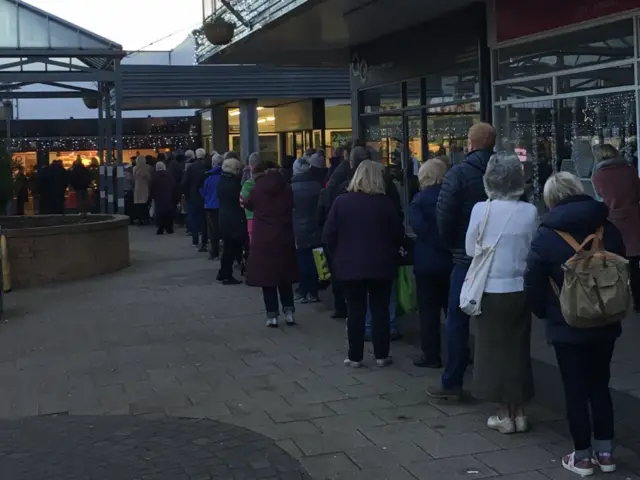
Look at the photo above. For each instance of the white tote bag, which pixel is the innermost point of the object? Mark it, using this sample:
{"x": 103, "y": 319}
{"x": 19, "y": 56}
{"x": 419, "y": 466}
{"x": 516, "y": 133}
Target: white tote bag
{"x": 476, "y": 279}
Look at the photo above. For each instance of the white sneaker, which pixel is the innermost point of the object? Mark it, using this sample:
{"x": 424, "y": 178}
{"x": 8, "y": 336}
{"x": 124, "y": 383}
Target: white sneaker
{"x": 502, "y": 425}
{"x": 289, "y": 318}
{"x": 384, "y": 362}
{"x": 522, "y": 424}
{"x": 583, "y": 467}
{"x": 272, "y": 322}
{"x": 352, "y": 364}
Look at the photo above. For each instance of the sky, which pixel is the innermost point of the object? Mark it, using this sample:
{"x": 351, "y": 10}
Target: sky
{"x": 132, "y": 23}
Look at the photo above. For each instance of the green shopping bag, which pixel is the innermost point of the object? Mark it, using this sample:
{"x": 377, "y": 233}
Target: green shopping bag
{"x": 407, "y": 301}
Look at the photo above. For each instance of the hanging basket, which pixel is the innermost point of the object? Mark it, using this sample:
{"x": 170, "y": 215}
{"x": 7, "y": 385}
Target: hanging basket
{"x": 219, "y": 31}
{"x": 90, "y": 102}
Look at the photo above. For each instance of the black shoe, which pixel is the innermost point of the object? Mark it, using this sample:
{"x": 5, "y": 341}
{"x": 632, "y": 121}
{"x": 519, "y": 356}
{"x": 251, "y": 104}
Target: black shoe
{"x": 338, "y": 316}
{"x": 395, "y": 336}
{"x": 440, "y": 393}
{"x": 219, "y": 277}
{"x": 213, "y": 257}
{"x": 203, "y": 249}
{"x": 423, "y": 362}
{"x": 159, "y": 232}
{"x": 170, "y": 232}
{"x": 231, "y": 281}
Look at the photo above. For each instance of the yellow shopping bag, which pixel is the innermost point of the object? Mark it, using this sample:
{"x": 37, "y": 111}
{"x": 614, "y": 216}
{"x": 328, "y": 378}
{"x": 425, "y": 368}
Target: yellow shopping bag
{"x": 322, "y": 266}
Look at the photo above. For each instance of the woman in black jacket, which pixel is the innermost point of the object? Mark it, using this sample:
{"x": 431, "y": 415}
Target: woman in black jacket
{"x": 232, "y": 219}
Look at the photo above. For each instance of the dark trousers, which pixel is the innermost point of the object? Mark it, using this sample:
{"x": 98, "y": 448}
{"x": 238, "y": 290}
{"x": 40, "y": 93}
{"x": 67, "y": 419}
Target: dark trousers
{"x": 433, "y": 298}
{"x": 456, "y": 333}
{"x": 198, "y": 223}
{"x": 142, "y": 213}
{"x": 585, "y": 371}
{"x": 212, "y": 216}
{"x": 308, "y": 273}
{"x": 128, "y": 205}
{"x": 634, "y": 280}
{"x": 337, "y": 289}
{"x": 271, "y": 304}
{"x": 82, "y": 197}
{"x": 164, "y": 222}
{"x": 20, "y": 202}
{"x": 378, "y": 293}
{"x": 231, "y": 248}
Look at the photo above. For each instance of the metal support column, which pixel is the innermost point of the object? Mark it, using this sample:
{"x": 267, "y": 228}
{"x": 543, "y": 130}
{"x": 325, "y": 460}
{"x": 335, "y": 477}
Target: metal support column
{"x": 119, "y": 187}
{"x": 109, "y": 162}
{"x": 101, "y": 139}
{"x": 249, "y": 140}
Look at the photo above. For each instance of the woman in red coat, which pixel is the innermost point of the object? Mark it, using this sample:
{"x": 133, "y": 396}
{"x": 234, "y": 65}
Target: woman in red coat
{"x": 272, "y": 259}
{"x": 616, "y": 182}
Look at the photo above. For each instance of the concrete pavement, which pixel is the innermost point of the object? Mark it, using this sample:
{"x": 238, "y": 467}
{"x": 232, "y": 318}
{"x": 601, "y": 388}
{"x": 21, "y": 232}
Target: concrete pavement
{"x": 159, "y": 372}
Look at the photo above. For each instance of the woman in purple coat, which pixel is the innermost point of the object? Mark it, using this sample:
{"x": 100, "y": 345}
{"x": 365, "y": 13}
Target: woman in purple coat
{"x": 363, "y": 234}
{"x": 272, "y": 258}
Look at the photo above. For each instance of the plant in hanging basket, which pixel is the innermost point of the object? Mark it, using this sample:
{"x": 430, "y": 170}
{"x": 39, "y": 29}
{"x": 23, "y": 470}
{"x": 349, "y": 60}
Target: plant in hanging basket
{"x": 219, "y": 31}
{"x": 90, "y": 102}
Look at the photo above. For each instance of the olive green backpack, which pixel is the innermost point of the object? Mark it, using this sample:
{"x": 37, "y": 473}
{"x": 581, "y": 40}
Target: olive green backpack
{"x": 595, "y": 292}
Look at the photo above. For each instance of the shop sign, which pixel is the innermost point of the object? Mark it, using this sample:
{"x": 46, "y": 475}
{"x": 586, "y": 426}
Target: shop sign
{"x": 520, "y": 18}
{"x": 360, "y": 68}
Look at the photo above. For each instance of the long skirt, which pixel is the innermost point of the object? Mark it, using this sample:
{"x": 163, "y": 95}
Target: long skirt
{"x": 502, "y": 360}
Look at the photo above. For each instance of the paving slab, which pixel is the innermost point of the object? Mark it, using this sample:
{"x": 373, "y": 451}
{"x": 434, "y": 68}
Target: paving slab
{"x": 150, "y": 371}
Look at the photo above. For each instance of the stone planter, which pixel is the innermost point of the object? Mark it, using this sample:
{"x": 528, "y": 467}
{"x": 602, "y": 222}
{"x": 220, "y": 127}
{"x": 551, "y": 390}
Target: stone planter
{"x": 50, "y": 248}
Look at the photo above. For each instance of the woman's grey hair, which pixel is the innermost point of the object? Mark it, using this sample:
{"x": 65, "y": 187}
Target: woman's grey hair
{"x": 301, "y": 165}
{"x": 141, "y": 161}
{"x": 432, "y": 172}
{"x": 160, "y": 167}
{"x": 233, "y": 166}
{"x": 200, "y": 153}
{"x": 217, "y": 159}
{"x": 605, "y": 152}
{"x": 368, "y": 179}
{"x": 504, "y": 177}
{"x": 254, "y": 159}
{"x": 560, "y": 186}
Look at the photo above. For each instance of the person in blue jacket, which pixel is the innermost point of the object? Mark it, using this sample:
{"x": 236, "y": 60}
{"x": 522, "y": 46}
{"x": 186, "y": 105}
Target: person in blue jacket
{"x": 209, "y": 192}
{"x": 432, "y": 262}
{"x": 583, "y": 354}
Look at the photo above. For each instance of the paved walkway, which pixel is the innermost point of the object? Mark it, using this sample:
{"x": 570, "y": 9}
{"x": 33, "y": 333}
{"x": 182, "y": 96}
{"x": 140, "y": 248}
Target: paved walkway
{"x": 107, "y": 378}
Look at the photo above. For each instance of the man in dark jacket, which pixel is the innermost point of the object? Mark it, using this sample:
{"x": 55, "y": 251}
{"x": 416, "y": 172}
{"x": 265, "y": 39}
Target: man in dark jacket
{"x": 191, "y": 182}
{"x": 79, "y": 179}
{"x": 463, "y": 187}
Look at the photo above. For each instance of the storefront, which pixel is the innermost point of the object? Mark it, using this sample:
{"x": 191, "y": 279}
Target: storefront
{"x": 414, "y": 107}
{"x": 558, "y": 94}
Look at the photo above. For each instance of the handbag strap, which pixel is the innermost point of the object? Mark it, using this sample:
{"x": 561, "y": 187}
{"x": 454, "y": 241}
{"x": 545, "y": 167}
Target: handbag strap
{"x": 485, "y": 220}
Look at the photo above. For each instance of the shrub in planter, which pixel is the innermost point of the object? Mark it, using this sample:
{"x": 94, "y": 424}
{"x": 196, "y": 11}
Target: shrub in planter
{"x": 90, "y": 102}
{"x": 219, "y": 31}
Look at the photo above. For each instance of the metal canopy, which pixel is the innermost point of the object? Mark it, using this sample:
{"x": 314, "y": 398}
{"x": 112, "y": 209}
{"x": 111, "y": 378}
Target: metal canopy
{"x": 39, "y": 50}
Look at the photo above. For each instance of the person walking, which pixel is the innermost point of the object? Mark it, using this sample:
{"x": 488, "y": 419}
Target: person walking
{"x": 363, "y": 234}
{"x": 141, "y": 178}
{"x": 79, "y": 179}
{"x": 191, "y": 183}
{"x": 162, "y": 190}
{"x": 431, "y": 262}
{"x": 583, "y": 354}
{"x": 462, "y": 188}
{"x": 306, "y": 191}
{"x": 616, "y": 182}
{"x": 209, "y": 191}
{"x": 232, "y": 225}
{"x": 21, "y": 190}
{"x": 272, "y": 257}
{"x": 502, "y": 362}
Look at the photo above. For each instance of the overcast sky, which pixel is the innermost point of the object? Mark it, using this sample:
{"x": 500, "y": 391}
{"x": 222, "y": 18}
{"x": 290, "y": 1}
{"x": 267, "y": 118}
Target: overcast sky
{"x": 132, "y": 23}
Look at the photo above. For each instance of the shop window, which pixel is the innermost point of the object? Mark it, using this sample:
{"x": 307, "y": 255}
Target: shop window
{"x": 620, "y": 76}
{"x": 414, "y": 93}
{"x": 380, "y": 99}
{"x": 522, "y": 90}
{"x": 444, "y": 88}
{"x": 583, "y": 48}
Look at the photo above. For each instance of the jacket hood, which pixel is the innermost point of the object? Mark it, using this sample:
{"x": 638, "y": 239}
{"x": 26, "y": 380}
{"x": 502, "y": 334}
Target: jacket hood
{"x": 611, "y": 162}
{"x": 479, "y": 159}
{"x": 577, "y": 214}
{"x": 303, "y": 177}
{"x": 341, "y": 174}
{"x": 271, "y": 181}
{"x": 216, "y": 170}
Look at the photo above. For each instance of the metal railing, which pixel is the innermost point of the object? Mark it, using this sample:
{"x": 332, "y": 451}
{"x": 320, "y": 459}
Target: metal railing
{"x": 254, "y": 14}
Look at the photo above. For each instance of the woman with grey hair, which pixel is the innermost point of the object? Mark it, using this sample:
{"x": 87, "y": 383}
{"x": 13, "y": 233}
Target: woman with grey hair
{"x": 583, "y": 354}
{"x": 502, "y": 362}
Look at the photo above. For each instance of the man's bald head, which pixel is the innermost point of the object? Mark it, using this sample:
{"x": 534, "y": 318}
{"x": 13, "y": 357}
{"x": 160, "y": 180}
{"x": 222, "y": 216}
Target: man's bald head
{"x": 482, "y": 136}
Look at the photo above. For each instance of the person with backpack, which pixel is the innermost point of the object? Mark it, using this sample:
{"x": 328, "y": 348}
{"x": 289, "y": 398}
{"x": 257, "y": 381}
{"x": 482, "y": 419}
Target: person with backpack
{"x": 576, "y": 281}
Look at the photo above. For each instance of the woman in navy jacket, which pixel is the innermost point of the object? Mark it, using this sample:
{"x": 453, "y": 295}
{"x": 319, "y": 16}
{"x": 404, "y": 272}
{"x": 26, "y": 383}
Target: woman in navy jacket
{"x": 432, "y": 262}
{"x": 583, "y": 354}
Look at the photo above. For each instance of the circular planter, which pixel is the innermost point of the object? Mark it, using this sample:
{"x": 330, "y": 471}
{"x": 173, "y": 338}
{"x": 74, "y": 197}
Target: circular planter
{"x": 219, "y": 31}
{"x": 50, "y": 248}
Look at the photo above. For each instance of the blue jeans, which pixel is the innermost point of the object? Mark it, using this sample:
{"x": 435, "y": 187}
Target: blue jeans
{"x": 456, "y": 333}
{"x": 392, "y": 313}
{"x": 308, "y": 273}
